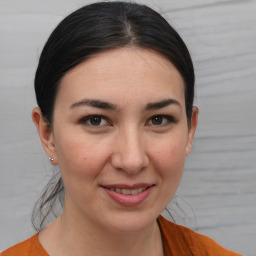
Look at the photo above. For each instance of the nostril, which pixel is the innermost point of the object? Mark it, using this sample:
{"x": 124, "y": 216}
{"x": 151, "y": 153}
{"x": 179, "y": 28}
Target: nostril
{"x": 130, "y": 163}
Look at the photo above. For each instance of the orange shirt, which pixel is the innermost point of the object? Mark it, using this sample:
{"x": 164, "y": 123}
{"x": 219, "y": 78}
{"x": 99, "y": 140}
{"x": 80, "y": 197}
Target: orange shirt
{"x": 181, "y": 241}
{"x": 177, "y": 241}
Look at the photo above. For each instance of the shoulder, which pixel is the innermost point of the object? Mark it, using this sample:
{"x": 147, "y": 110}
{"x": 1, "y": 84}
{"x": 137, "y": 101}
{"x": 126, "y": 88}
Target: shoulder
{"x": 184, "y": 241}
{"x": 29, "y": 247}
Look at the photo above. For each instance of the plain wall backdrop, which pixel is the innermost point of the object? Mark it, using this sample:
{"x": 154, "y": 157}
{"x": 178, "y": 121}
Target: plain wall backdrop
{"x": 219, "y": 181}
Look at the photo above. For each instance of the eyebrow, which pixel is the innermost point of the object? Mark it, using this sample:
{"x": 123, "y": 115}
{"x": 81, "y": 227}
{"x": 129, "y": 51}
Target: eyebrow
{"x": 161, "y": 104}
{"x": 109, "y": 106}
{"x": 94, "y": 103}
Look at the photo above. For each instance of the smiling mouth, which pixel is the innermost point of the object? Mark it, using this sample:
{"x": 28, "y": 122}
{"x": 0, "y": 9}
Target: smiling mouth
{"x": 127, "y": 191}
{"x": 128, "y": 195}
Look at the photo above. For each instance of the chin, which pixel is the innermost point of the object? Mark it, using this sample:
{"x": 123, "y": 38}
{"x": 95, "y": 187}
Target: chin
{"x": 131, "y": 222}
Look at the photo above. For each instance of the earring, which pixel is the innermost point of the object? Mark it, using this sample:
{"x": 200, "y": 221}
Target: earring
{"x": 51, "y": 159}
{"x": 190, "y": 146}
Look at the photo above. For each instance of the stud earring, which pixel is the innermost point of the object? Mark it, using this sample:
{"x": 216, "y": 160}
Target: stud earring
{"x": 51, "y": 159}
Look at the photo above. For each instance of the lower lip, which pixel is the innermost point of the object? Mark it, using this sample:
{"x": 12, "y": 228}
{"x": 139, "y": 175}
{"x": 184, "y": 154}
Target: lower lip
{"x": 128, "y": 200}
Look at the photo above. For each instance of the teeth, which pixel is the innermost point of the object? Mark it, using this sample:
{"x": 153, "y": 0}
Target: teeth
{"x": 134, "y": 191}
{"x": 140, "y": 189}
{"x": 118, "y": 190}
{"x": 125, "y": 191}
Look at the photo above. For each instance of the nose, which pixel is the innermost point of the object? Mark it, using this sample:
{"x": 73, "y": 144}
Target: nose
{"x": 129, "y": 154}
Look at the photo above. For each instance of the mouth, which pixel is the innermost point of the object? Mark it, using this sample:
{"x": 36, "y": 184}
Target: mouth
{"x": 126, "y": 191}
{"x": 128, "y": 194}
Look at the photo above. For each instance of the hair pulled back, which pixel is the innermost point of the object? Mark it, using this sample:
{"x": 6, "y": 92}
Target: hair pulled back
{"x": 93, "y": 29}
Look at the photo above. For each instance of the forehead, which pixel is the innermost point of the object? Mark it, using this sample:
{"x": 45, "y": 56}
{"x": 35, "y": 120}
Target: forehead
{"x": 122, "y": 74}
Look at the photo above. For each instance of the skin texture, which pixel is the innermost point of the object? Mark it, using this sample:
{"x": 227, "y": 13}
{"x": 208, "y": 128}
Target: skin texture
{"x": 127, "y": 146}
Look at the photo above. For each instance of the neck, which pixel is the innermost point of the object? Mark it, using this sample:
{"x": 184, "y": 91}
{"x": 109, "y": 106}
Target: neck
{"x": 72, "y": 235}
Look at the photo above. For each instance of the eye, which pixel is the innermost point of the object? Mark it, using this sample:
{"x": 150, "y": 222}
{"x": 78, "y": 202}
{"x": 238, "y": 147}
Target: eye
{"x": 94, "y": 120}
{"x": 161, "y": 120}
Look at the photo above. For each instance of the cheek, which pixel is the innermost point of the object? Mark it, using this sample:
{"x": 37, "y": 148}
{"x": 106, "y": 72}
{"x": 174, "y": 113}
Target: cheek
{"x": 168, "y": 161}
{"x": 169, "y": 157}
{"x": 81, "y": 156}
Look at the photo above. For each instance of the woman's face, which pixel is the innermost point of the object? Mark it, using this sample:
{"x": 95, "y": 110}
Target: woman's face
{"x": 120, "y": 137}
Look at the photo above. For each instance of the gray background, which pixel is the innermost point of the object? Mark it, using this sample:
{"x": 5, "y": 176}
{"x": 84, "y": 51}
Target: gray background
{"x": 219, "y": 183}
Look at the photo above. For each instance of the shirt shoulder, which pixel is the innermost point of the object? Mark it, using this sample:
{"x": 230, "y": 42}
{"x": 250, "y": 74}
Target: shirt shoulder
{"x": 179, "y": 240}
{"x": 29, "y": 247}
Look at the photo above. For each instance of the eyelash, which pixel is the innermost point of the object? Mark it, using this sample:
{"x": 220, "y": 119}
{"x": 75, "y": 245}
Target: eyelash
{"x": 89, "y": 118}
{"x": 85, "y": 120}
{"x": 169, "y": 120}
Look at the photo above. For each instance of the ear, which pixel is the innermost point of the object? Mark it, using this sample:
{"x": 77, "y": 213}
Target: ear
{"x": 45, "y": 134}
{"x": 192, "y": 129}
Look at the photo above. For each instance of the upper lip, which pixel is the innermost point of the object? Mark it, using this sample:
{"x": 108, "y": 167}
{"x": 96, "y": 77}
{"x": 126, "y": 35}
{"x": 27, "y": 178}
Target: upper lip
{"x": 126, "y": 186}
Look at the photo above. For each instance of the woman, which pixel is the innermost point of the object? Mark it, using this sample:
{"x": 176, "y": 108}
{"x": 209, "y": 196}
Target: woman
{"x": 115, "y": 89}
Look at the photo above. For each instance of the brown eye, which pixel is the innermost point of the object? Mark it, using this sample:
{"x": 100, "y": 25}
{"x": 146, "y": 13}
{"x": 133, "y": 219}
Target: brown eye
{"x": 95, "y": 120}
{"x": 161, "y": 120}
{"x": 157, "y": 120}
